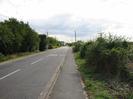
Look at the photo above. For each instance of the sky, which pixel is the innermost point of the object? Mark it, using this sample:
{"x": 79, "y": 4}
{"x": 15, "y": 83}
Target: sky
{"x": 60, "y": 18}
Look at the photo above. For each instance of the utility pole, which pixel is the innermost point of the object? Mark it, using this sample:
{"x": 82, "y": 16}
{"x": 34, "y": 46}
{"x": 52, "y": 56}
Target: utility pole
{"x": 47, "y": 41}
{"x": 100, "y": 34}
{"x": 47, "y": 34}
{"x": 75, "y": 36}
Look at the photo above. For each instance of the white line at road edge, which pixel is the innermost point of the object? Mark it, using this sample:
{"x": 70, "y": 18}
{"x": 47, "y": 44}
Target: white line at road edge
{"x": 37, "y": 61}
{"x": 10, "y": 74}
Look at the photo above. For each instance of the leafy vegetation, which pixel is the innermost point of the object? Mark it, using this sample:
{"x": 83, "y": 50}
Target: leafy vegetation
{"x": 108, "y": 56}
{"x": 14, "y": 56}
{"x": 17, "y": 37}
{"x": 77, "y": 46}
{"x": 43, "y": 42}
{"x": 96, "y": 89}
{"x": 107, "y": 60}
{"x": 53, "y": 42}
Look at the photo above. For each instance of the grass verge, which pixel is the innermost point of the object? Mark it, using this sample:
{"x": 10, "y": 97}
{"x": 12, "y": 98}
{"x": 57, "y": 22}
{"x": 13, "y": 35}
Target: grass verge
{"x": 100, "y": 89}
{"x": 14, "y": 56}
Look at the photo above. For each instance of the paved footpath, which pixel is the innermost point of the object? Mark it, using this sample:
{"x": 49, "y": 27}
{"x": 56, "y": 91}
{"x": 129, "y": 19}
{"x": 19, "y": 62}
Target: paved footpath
{"x": 68, "y": 85}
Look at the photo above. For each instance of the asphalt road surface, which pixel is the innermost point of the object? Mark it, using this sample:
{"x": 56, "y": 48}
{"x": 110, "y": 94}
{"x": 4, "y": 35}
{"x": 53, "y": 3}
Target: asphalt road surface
{"x": 29, "y": 77}
{"x": 26, "y": 78}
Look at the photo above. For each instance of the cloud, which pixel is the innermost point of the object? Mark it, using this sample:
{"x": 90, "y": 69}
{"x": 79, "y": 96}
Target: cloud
{"x": 3, "y": 17}
{"x": 63, "y": 26}
{"x": 63, "y": 17}
{"x": 66, "y": 25}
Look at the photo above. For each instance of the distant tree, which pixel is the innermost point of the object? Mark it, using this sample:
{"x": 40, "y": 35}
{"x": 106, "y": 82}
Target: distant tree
{"x": 53, "y": 42}
{"x": 77, "y": 46}
{"x": 43, "y": 42}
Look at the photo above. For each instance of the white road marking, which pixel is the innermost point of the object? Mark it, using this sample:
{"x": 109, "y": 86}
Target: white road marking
{"x": 37, "y": 61}
{"x": 62, "y": 55}
{"x": 10, "y": 74}
{"x": 53, "y": 55}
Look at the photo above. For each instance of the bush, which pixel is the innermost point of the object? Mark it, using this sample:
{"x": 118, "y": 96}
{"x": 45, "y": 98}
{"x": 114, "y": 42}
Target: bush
{"x": 108, "y": 56}
{"x": 50, "y": 46}
{"x": 77, "y": 46}
{"x": 83, "y": 49}
{"x": 53, "y": 42}
{"x": 43, "y": 42}
{"x": 1, "y": 56}
{"x": 17, "y": 36}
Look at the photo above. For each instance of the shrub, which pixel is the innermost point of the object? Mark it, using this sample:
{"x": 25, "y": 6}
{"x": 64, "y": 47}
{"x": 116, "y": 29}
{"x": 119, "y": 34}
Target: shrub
{"x": 50, "y": 46}
{"x": 77, "y": 46}
{"x": 43, "y": 42}
{"x": 17, "y": 36}
{"x": 1, "y": 55}
{"x": 83, "y": 49}
{"x": 108, "y": 56}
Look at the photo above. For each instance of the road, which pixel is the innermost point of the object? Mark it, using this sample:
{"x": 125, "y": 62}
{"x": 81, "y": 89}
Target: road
{"x": 28, "y": 78}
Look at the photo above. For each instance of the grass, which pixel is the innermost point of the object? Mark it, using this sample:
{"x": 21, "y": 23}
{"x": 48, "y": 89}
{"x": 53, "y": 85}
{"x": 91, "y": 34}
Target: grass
{"x": 14, "y": 56}
{"x": 97, "y": 88}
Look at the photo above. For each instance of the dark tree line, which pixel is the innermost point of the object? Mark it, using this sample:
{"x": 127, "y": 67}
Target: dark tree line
{"x": 17, "y": 36}
{"x": 43, "y": 42}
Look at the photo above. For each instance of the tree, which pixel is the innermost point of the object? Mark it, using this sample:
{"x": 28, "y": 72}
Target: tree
{"x": 17, "y": 36}
{"x": 52, "y": 42}
{"x": 6, "y": 39}
{"x": 43, "y": 42}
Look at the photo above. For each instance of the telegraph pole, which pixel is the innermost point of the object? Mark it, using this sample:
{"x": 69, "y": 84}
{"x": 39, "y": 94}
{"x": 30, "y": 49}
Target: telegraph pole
{"x": 75, "y": 35}
{"x": 47, "y": 34}
{"x": 100, "y": 34}
{"x": 47, "y": 41}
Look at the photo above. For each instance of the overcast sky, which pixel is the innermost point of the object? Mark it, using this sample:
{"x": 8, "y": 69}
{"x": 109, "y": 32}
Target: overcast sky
{"x": 62, "y": 17}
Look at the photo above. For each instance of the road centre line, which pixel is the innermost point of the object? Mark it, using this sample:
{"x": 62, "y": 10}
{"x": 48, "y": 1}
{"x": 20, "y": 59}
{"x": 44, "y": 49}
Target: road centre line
{"x": 37, "y": 61}
{"x": 10, "y": 74}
